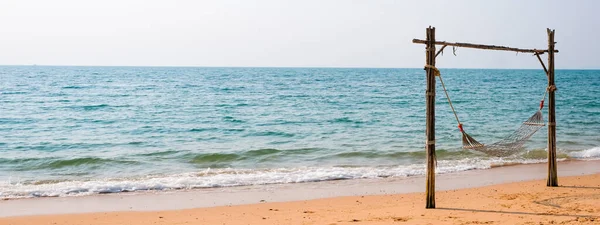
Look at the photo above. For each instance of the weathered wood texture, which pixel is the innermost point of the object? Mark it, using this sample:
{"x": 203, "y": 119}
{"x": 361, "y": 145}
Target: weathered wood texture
{"x": 430, "y": 119}
{"x": 480, "y": 46}
{"x": 552, "y": 174}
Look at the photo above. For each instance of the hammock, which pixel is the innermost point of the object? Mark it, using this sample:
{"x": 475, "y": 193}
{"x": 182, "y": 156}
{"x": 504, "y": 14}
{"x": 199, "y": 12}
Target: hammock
{"x": 510, "y": 144}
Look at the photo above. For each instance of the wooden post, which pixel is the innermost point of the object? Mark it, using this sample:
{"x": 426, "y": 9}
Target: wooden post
{"x": 552, "y": 175}
{"x": 430, "y": 121}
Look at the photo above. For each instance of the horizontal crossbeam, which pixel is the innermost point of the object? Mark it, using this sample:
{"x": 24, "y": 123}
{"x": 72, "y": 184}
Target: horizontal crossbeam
{"x": 479, "y": 46}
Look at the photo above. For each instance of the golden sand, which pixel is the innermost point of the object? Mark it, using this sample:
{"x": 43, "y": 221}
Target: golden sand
{"x": 576, "y": 201}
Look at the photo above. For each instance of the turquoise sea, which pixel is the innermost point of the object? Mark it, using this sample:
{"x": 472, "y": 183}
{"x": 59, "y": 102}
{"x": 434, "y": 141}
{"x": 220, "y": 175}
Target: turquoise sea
{"x": 68, "y": 131}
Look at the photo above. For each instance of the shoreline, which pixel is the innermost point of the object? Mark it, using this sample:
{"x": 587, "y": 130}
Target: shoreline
{"x": 247, "y": 195}
{"x": 575, "y": 201}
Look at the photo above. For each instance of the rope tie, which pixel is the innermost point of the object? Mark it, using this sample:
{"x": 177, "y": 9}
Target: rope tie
{"x": 551, "y": 88}
{"x": 436, "y": 72}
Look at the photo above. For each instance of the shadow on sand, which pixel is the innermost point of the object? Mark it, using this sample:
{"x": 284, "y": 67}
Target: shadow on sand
{"x": 515, "y": 213}
{"x": 582, "y": 187}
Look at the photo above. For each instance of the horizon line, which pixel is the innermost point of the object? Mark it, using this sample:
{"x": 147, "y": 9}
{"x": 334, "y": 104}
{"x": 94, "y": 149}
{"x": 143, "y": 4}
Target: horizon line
{"x": 282, "y": 67}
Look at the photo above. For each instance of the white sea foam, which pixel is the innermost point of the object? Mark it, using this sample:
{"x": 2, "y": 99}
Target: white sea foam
{"x": 211, "y": 178}
{"x": 592, "y": 153}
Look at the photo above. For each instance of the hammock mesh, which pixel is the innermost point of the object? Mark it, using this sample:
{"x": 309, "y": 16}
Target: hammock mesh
{"x": 512, "y": 143}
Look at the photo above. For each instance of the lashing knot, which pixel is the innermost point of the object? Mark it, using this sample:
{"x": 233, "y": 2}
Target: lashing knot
{"x": 436, "y": 72}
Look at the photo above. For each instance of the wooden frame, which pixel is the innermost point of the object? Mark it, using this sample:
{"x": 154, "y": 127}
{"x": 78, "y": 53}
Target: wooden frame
{"x": 430, "y": 55}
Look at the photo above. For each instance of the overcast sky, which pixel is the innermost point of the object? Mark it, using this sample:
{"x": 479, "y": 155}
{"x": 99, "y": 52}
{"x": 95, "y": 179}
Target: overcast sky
{"x": 301, "y": 33}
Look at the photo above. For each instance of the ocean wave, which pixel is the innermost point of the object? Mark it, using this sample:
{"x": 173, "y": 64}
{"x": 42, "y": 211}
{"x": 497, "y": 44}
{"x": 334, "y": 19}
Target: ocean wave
{"x": 94, "y": 107}
{"x": 312, "y": 157}
{"x": 203, "y": 129}
{"x": 213, "y": 157}
{"x": 232, "y": 119}
{"x": 229, "y": 177}
{"x": 271, "y": 133}
{"x": 543, "y": 154}
{"x": 25, "y": 164}
{"x": 159, "y": 153}
{"x": 345, "y": 120}
{"x": 592, "y": 153}
{"x": 13, "y": 92}
{"x": 222, "y": 160}
{"x": 56, "y": 164}
{"x": 440, "y": 153}
{"x": 72, "y": 87}
{"x": 262, "y": 152}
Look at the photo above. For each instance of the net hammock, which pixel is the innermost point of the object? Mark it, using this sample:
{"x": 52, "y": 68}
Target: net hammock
{"x": 508, "y": 145}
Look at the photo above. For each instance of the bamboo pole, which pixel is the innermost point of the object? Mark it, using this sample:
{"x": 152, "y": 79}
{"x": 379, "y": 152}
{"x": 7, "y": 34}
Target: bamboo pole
{"x": 552, "y": 175}
{"x": 430, "y": 119}
{"x": 480, "y": 46}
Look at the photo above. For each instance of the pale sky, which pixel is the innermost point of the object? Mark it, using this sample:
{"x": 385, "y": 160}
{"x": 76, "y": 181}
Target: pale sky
{"x": 300, "y": 33}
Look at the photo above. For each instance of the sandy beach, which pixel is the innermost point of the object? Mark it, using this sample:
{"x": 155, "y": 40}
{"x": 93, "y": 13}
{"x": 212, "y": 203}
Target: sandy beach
{"x": 576, "y": 201}
{"x": 134, "y": 112}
